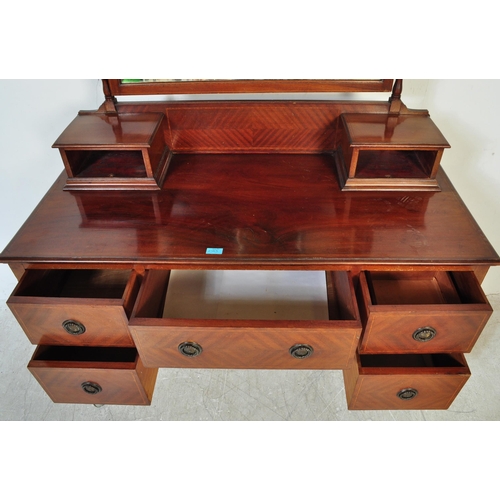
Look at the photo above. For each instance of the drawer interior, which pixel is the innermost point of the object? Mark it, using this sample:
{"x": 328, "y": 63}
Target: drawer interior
{"x": 248, "y": 295}
{"x": 85, "y": 354}
{"x": 438, "y": 360}
{"x": 74, "y": 283}
{"x": 410, "y": 288}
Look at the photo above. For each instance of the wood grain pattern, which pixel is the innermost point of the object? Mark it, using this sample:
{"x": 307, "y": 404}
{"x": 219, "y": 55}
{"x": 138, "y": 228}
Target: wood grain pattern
{"x": 253, "y": 126}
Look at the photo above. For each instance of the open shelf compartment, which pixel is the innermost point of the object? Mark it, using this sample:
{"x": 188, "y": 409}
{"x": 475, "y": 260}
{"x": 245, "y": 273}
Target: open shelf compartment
{"x": 114, "y": 151}
{"x": 389, "y": 152}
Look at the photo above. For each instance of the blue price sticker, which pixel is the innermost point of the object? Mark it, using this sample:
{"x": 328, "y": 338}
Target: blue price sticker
{"x": 214, "y": 251}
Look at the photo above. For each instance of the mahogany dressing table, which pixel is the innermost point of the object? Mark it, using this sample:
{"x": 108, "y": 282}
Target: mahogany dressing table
{"x": 352, "y": 189}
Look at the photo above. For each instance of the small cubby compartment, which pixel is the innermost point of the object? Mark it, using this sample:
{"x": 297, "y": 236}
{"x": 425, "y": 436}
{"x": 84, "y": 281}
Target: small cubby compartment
{"x": 106, "y": 163}
{"x": 246, "y": 319}
{"x": 389, "y": 152}
{"x": 395, "y": 164}
{"x": 114, "y": 151}
{"x": 421, "y": 311}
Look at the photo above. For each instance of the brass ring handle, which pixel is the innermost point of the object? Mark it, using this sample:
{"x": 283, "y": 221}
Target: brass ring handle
{"x": 301, "y": 351}
{"x": 424, "y": 334}
{"x": 190, "y": 349}
{"x": 407, "y": 394}
{"x": 91, "y": 388}
{"x": 73, "y": 327}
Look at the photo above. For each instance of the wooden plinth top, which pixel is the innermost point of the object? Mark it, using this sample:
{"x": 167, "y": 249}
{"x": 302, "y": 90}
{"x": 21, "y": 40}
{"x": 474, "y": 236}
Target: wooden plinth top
{"x": 251, "y": 211}
{"x": 379, "y": 130}
{"x": 109, "y": 130}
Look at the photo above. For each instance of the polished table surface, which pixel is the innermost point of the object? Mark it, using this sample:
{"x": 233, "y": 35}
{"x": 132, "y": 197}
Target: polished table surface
{"x": 274, "y": 211}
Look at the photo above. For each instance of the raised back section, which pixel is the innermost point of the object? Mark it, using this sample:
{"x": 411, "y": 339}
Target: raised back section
{"x": 253, "y": 126}
{"x": 284, "y": 126}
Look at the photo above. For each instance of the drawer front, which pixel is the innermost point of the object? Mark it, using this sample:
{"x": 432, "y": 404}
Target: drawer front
{"x": 422, "y": 331}
{"x": 94, "y": 382}
{"x": 452, "y": 324}
{"x": 75, "y": 307}
{"x": 74, "y": 324}
{"x": 380, "y": 392}
{"x": 403, "y": 388}
{"x": 263, "y": 345}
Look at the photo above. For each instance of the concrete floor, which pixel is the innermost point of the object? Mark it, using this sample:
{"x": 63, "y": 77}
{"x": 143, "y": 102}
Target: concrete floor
{"x": 238, "y": 395}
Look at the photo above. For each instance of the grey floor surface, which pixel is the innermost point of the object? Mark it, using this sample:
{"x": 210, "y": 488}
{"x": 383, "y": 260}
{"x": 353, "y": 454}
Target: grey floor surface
{"x": 237, "y": 395}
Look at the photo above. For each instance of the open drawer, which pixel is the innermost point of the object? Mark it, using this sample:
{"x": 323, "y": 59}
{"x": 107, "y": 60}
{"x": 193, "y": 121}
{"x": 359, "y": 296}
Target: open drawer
{"x": 95, "y": 375}
{"x": 198, "y": 337}
{"x": 76, "y": 306}
{"x": 421, "y": 311}
{"x": 404, "y": 381}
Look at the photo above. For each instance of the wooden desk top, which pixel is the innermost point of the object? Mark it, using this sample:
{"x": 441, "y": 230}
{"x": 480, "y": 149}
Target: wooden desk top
{"x": 274, "y": 211}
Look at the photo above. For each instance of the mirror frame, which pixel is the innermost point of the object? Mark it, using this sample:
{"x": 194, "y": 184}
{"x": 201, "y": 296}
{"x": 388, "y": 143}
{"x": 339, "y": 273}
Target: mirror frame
{"x": 119, "y": 88}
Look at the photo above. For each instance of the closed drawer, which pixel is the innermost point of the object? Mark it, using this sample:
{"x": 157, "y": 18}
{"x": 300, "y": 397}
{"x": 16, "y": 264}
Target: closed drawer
{"x": 405, "y": 381}
{"x": 211, "y": 342}
{"x": 93, "y": 375}
{"x": 421, "y": 311}
{"x": 82, "y": 307}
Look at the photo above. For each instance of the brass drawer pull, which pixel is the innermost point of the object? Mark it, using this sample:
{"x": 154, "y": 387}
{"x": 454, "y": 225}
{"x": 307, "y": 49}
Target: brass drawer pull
{"x": 73, "y": 327}
{"x": 407, "y": 394}
{"x": 424, "y": 334}
{"x": 190, "y": 349}
{"x": 91, "y": 388}
{"x": 301, "y": 351}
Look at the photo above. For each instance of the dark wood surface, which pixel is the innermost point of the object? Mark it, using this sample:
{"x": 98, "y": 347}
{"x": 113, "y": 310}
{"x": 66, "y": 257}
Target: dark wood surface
{"x": 264, "y": 211}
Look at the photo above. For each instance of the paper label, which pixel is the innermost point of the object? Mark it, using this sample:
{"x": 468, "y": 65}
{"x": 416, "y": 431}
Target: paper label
{"x": 214, "y": 251}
